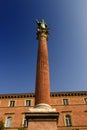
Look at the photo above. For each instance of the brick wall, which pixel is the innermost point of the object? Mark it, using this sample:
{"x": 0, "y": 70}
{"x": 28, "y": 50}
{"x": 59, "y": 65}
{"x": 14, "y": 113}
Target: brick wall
{"x": 76, "y": 108}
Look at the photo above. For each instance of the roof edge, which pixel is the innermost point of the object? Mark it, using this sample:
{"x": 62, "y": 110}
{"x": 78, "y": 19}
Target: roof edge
{"x": 52, "y": 94}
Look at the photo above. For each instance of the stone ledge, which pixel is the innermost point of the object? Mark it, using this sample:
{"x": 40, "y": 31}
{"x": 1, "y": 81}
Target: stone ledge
{"x": 41, "y": 115}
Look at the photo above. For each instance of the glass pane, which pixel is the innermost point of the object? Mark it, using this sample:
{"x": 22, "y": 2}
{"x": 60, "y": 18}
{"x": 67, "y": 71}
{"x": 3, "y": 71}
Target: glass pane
{"x": 9, "y": 120}
{"x": 28, "y": 102}
{"x": 68, "y": 120}
{"x": 65, "y": 101}
{"x": 85, "y": 99}
{"x": 12, "y": 103}
{"x": 25, "y": 123}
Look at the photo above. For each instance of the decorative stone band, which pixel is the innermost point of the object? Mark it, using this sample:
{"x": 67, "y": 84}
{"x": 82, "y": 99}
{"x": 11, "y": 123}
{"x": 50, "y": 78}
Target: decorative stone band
{"x": 42, "y": 107}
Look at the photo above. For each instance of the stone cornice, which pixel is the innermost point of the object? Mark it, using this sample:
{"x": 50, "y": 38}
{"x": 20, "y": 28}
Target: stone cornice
{"x": 22, "y": 95}
{"x": 52, "y": 94}
{"x": 41, "y": 115}
{"x": 73, "y": 93}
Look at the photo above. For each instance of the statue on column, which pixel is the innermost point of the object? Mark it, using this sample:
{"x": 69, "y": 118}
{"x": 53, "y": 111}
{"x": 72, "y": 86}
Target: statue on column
{"x": 41, "y": 25}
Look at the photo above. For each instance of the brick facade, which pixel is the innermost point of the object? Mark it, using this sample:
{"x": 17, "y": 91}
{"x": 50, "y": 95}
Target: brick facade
{"x": 76, "y": 108}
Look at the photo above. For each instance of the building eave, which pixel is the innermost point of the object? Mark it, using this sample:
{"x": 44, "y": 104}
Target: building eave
{"x": 52, "y": 94}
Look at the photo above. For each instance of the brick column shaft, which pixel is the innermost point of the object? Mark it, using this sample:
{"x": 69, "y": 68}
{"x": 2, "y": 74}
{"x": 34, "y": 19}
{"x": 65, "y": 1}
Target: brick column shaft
{"x": 42, "y": 91}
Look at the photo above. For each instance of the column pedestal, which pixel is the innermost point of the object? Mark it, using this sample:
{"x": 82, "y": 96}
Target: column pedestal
{"x": 42, "y": 120}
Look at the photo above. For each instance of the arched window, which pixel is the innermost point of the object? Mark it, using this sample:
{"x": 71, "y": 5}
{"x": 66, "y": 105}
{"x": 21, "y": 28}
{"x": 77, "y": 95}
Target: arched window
{"x": 68, "y": 120}
{"x": 9, "y": 121}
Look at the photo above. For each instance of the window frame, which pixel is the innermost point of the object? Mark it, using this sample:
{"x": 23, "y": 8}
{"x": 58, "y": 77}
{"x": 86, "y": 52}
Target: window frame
{"x": 68, "y": 120}
{"x": 28, "y": 103}
{"x": 65, "y": 102}
{"x": 12, "y": 103}
{"x": 8, "y": 122}
{"x": 85, "y": 100}
{"x": 25, "y": 123}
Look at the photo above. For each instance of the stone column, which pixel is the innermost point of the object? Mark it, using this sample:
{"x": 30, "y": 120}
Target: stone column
{"x": 42, "y": 116}
{"x": 42, "y": 89}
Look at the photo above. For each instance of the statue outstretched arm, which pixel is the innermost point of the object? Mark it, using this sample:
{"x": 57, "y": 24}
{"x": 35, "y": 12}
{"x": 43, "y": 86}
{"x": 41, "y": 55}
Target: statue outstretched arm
{"x": 37, "y": 21}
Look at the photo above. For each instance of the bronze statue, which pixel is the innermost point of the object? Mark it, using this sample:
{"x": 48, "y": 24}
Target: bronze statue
{"x": 41, "y": 25}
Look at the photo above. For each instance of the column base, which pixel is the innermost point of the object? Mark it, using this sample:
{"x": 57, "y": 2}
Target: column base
{"x": 42, "y": 107}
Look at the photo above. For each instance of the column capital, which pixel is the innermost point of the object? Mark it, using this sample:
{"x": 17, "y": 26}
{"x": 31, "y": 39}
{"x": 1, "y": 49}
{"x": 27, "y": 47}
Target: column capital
{"x": 42, "y": 33}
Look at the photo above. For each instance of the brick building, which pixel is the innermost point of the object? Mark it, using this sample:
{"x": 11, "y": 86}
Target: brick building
{"x": 72, "y": 108}
{"x": 44, "y": 110}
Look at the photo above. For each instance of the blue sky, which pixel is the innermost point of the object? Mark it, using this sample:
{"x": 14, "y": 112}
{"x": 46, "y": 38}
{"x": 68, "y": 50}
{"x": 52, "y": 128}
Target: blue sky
{"x": 67, "y": 44}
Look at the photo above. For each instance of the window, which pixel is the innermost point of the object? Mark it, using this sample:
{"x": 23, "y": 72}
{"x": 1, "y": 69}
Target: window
{"x": 65, "y": 101}
{"x": 12, "y": 103}
{"x": 28, "y": 102}
{"x": 25, "y": 123}
{"x": 68, "y": 120}
{"x": 85, "y": 100}
{"x": 9, "y": 121}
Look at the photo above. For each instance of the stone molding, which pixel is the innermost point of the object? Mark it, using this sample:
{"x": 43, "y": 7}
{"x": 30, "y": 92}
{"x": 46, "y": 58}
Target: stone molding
{"x": 42, "y": 107}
